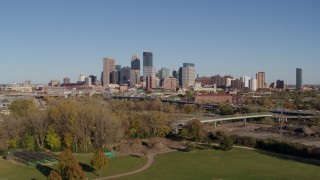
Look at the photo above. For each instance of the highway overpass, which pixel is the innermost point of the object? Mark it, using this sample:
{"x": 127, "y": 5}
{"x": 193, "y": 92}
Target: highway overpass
{"x": 215, "y": 119}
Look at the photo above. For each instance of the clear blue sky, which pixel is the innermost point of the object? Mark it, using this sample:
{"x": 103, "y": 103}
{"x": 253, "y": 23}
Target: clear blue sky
{"x": 44, "y": 40}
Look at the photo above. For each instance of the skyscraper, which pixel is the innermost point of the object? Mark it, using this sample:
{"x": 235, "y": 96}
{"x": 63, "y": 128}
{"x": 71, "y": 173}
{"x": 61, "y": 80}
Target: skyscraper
{"x": 246, "y": 80}
{"x": 261, "y": 80}
{"x": 148, "y": 68}
{"x": 114, "y": 77}
{"x": 135, "y": 70}
{"x": 124, "y": 75}
{"x": 180, "y": 76}
{"x": 108, "y": 67}
{"x": 151, "y": 82}
{"x": 175, "y": 74}
{"x": 135, "y": 62}
{"x": 299, "y": 84}
{"x": 93, "y": 79}
{"x": 164, "y": 73}
{"x": 188, "y": 74}
{"x": 253, "y": 84}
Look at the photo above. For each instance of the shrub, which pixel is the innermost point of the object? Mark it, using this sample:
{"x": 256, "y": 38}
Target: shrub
{"x": 226, "y": 144}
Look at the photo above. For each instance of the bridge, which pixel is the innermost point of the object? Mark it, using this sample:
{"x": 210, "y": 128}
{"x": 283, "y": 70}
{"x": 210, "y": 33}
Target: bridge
{"x": 175, "y": 102}
{"x": 205, "y": 119}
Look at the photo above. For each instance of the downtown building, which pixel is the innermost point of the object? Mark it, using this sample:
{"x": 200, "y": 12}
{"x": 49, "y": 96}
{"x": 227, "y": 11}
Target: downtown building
{"x": 108, "y": 67}
{"x": 169, "y": 83}
{"x": 135, "y": 70}
{"x": 164, "y": 73}
{"x": 188, "y": 75}
{"x": 253, "y": 84}
{"x": 148, "y": 68}
{"x": 261, "y": 80}
{"x": 151, "y": 82}
{"x": 299, "y": 84}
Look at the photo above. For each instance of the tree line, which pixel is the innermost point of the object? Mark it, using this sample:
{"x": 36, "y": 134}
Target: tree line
{"x": 83, "y": 124}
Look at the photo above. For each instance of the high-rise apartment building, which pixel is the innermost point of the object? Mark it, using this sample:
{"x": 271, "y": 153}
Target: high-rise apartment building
{"x": 108, "y": 67}
{"x": 237, "y": 84}
{"x": 151, "y": 82}
{"x": 299, "y": 84}
{"x": 148, "y": 68}
{"x": 261, "y": 80}
{"x": 188, "y": 74}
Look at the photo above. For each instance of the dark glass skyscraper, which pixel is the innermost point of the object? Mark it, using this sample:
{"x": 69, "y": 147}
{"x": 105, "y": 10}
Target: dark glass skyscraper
{"x": 135, "y": 63}
{"x": 148, "y": 68}
{"x": 135, "y": 70}
{"x": 147, "y": 59}
{"x": 299, "y": 77}
{"x": 175, "y": 74}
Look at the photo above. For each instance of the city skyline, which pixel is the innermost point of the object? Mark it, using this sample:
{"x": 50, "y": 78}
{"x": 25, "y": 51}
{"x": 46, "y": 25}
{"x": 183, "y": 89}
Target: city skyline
{"x": 42, "y": 41}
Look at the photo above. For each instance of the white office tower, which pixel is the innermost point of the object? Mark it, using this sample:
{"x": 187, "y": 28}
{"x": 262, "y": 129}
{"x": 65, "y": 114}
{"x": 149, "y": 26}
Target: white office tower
{"x": 253, "y": 84}
{"x": 246, "y": 80}
{"x": 228, "y": 82}
{"x": 188, "y": 75}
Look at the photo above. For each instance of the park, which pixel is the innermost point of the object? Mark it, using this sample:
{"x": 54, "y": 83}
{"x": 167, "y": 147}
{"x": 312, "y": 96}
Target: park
{"x": 238, "y": 163}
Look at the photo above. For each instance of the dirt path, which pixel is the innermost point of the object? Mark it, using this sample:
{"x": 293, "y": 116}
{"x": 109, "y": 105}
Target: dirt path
{"x": 151, "y": 160}
{"x": 146, "y": 166}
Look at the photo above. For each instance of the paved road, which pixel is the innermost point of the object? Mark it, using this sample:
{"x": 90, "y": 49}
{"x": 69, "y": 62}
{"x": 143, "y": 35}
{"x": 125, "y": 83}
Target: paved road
{"x": 146, "y": 166}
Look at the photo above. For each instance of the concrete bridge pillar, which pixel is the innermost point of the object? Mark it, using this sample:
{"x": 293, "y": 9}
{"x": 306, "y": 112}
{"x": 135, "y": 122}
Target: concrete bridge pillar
{"x": 245, "y": 122}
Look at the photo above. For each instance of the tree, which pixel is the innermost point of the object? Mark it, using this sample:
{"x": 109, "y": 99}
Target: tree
{"x": 54, "y": 175}
{"x": 68, "y": 167}
{"x": 188, "y": 108}
{"x": 30, "y": 142}
{"x": 99, "y": 161}
{"x": 226, "y": 144}
{"x": 38, "y": 123}
{"x": 226, "y": 109}
{"x": 75, "y": 172}
{"x": 67, "y": 140}
{"x": 195, "y": 129}
{"x": 21, "y": 107}
{"x": 184, "y": 133}
{"x": 53, "y": 140}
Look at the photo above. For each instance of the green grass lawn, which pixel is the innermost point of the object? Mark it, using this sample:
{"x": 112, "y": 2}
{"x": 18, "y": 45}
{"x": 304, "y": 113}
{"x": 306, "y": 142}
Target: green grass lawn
{"x": 235, "y": 164}
{"x": 117, "y": 165}
{"x": 10, "y": 171}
